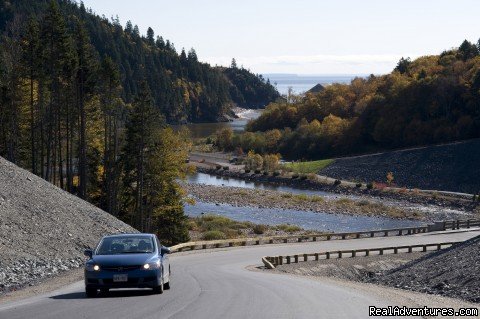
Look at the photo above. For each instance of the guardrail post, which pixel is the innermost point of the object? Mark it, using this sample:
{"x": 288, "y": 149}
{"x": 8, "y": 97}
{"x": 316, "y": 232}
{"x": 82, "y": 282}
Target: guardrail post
{"x": 367, "y": 252}
{"x": 280, "y": 259}
{"x": 439, "y": 246}
{"x": 270, "y": 241}
{"x": 244, "y": 243}
{"x": 316, "y": 256}
{"x": 285, "y": 240}
{"x": 468, "y": 223}
{"x": 257, "y": 242}
{"x": 353, "y": 253}
{"x": 380, "y": 251}
{"x": 299, "y": 239}
{"x": 288, "y": 259}
{"x": 343, "y": 236}
{"x": 296, "y": 258}
{"x": 358, "y": 235}
{"x": 327, "y": 255}
{"x": 410, "y": 249}
{"x": 230, "y": 244}
{"x": 395, "y": 250}
{"x": 400, "y": 232}
{"x": 339, "y": 254}
{"x": 329, "y": 237}
{"x": 314, "y": 238}
{"x": 424, "y": 248}
{"x": 204, "y": 246}
{"x": 305, "y": 257}
{"x": 385, "y": 233}
{"x": 372, "y": 234}
{"x": 217, "y": 245}
{"x": 409, "y": 232}
{"x": 458, "y": 224}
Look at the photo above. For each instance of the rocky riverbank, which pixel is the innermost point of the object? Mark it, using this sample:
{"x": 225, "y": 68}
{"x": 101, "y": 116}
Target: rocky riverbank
{"x": 242, "y": 197}
{"x": 410, "y": 196}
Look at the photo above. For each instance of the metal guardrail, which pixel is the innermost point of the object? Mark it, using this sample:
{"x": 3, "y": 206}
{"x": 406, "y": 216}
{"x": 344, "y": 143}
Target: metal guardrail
{"x": 212, "y": 244}
{"x": 271, "y": 262}
{"x": 297, "y": 238}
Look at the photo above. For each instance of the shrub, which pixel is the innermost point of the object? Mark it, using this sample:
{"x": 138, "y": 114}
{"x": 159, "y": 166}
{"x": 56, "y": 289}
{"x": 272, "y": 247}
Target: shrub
{"x": 288, "y": 228}
{"x": 358, "y": 185}
{"x": 337, "y": 182}
{"x": 218, "y": 166}
{"x": 370, "y": 185}
{"x": 259, "y": 229}
{"x": 226, "y": 168}
{"x": 214, "y": 235}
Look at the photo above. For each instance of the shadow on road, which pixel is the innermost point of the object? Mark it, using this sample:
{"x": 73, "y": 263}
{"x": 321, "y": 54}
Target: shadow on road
{"x": 111, "y": 294}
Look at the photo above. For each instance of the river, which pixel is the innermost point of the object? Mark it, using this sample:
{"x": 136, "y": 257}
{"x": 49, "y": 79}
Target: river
{"x": 271, "y": 216}
{"x": 200, "y": 130}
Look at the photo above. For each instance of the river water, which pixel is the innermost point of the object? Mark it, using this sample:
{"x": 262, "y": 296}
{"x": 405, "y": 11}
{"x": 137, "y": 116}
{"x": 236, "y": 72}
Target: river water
{"x": 200, "y": 130}
{"x": 272, "y": 216}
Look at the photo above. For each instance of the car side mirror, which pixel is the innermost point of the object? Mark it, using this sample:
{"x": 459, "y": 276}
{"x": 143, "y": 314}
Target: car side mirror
{"x": 88, "y": 253}
{"x": 165, "y": 250}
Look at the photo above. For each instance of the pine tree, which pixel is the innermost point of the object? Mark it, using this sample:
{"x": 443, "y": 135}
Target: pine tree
{"x": 151, "y": 36}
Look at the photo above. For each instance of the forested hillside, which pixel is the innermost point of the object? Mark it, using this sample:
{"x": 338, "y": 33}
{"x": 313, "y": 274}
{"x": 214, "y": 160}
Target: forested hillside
{"x": 433, "y": 99}
{"x": 84, "y": 103}
{"x": 183, "y": 88}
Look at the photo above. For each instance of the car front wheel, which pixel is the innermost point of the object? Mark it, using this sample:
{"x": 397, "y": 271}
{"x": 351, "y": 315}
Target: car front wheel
{"x": 90, "y": 292}
{"x": 159, "y": 288}
{"x": 167, "y": 284}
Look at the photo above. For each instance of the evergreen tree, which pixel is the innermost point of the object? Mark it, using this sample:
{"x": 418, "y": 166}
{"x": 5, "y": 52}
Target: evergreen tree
{"x": 151, "y": 36}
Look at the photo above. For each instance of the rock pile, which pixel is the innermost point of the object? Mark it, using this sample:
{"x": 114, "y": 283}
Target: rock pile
{"x": 43, "y": 229}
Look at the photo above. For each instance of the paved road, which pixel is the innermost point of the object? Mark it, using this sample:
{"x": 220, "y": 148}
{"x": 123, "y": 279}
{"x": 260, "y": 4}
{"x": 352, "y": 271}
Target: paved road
{"x": 217, "y": 284}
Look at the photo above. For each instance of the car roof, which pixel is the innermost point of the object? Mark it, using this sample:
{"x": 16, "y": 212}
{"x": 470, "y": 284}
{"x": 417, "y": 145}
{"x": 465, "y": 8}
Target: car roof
{"x": 130, "y": 234}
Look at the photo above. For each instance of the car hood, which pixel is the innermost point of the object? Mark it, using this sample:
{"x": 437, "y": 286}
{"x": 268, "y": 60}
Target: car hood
{"x": 122, "y": 260}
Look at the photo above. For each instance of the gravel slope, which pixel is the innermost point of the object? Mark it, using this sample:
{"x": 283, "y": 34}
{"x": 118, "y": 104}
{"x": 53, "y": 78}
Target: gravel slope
{"x": 452, "y": 272}
{"x": 451, "y": 167}
{"x": 43, "y": 229}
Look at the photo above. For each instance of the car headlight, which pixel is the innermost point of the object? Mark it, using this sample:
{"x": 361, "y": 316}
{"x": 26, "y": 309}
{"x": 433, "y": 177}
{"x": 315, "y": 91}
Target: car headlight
{"x": 152, "y": 265}
{"x": 92, "y": 267}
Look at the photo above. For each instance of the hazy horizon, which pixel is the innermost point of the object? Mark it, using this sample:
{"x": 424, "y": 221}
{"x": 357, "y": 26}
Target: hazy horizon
{"x": 304, "y": 37}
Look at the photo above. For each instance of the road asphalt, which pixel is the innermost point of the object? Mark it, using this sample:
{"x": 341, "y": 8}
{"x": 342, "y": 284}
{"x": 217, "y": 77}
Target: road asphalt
{"x": 225, "y": 283}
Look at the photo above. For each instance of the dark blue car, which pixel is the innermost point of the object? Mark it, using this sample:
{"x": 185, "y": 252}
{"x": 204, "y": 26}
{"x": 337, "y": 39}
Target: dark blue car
{"x": 127, "y": 261}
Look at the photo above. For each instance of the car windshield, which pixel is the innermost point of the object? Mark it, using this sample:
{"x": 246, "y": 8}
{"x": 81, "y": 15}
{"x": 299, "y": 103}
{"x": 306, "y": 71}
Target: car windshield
{"x": 125, "y": 245}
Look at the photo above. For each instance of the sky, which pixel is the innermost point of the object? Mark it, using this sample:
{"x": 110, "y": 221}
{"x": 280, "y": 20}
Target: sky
{"x": 312, "y": 37}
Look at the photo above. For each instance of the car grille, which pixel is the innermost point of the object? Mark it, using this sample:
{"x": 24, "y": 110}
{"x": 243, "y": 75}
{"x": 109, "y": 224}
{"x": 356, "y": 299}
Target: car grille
{"x": 120, "y": 268}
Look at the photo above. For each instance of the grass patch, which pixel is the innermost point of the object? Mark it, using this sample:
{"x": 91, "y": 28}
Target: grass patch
{"x": 214, "y": 227}
{"x": 308, "y": 167}
{"x": 307, "y": 198}
{"x": 288, "y": 228}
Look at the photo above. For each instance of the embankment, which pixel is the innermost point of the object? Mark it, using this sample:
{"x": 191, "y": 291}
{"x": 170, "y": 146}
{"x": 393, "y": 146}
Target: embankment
{"x": 43, "y": 229}
{"x": 451, "y": 167}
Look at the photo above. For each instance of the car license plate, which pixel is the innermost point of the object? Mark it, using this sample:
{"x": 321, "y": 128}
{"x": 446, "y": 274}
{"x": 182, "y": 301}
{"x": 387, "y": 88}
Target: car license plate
{"x": 120, "y": 278}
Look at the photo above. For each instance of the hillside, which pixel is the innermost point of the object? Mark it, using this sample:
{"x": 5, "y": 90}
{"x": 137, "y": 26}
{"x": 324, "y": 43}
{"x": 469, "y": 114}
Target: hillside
{"x": 451, "y": 167}
{"x": 430, "y": 100}
{"x": 44, "y": 230}
{"x": 452, "y": 272}
{"x": 183, "y": 88}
